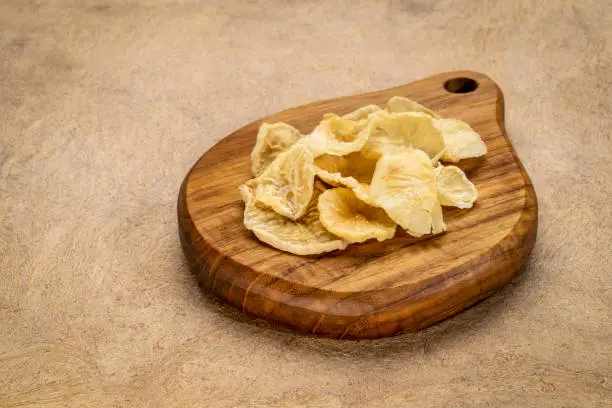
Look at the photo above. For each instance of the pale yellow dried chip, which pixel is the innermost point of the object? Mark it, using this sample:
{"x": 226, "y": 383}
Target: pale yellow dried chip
{"x": 272, "y": 139}
{"x": 306, "y": 236}
{"x": 399, "y": 104}
{"x": 354, "y": 165}
{"x": 437, "y": 220}
{"x": 338, "y": 136}
{"x": 286, "y": 185}
{"x": 353, "y": 170}
{"x": 394, "y": 132}
{"x": 362, "y": 113}
{"x": 335, "y": 179}
{"x": 454, "y": 188}
{"x": 404, "y": 185}
{"x": 359, "y": 116}
{"x": 461, "y": 141}
{"x": 346, "y": 216}
{"x": 361, "y": 190}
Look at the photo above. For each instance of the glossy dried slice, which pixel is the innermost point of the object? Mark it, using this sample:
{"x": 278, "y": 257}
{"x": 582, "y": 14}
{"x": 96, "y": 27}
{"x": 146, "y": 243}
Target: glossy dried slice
{"x": 338, "y": 136}
{"x": 306, "y": 236}
{"x": 404, "y": 185}
{"x": 272, "y": 140}
{"x": 454, "y": 188}
{"x": 461, "y": 141}
{"x": 399, "y": 104}
{"x": 348, "y": 217}
{"x": 286, "y": 185}
{"x": 394, "y": 132}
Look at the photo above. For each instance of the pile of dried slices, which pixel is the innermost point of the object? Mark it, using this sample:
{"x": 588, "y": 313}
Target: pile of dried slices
{"x": 357, "y": 176}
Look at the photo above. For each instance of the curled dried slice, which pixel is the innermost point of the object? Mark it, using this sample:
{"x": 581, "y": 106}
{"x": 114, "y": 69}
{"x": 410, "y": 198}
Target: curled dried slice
{"x": 361, "y": 190}
{"x": 362, "y": 113}
{"x": 404, "y": 185}
{"x": 454, "y": 188}
{"x": 307, "y": 236}
{"x": 338, "y": 136}
{"x": 354, "y": 165}
{"x": 359, "y": 115}
{"x": 394, "y": 132}
{"x": 437, "y": 220}
{"x": 353, "y": 170}
{"x": 461, "y": 141}
{"x": 286, "y": 185}
{"x": 399, "y": 104}
{"x": 272, "y": 139}
{"x": 346, "y": 216}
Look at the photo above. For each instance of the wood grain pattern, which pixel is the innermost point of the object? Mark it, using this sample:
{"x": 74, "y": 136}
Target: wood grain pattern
{"x": 373, "y": 289}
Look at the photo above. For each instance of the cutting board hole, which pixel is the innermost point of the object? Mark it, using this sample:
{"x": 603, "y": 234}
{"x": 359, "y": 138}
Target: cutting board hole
{"x": 461, "y": 85}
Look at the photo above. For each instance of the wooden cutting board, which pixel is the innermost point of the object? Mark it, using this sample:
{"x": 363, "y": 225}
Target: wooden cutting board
{"x": 373, "y": 289}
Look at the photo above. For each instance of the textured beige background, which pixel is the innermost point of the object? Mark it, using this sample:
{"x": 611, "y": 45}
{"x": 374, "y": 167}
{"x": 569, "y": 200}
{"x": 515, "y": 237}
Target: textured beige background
{"x": 105, "y": 105}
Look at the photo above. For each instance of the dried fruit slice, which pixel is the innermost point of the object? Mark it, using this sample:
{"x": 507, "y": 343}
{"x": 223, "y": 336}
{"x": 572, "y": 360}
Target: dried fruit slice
{"x": 394, "y": 132}
{"x": 399, "y": 104}
{"x": 335, "y": 179}
{"x": 272, "y": 139}
{"x": 360, "y": 116}
{"x": 362, "y": 113}
{"x": 346, "y": 216}
{"x": 437, "y": 220}
{"x": 353, "y": 170}
{"x": 404, "y": 185}
{"x": 286, "y": 184}
{"x": 454, "y": 188}
{"x": 461, "y": 141}
{"x": 354, "y": 165}
{"x": 307, "y": 236}
{"x": 338, "y": 136}
{"x": 361, "y": 190}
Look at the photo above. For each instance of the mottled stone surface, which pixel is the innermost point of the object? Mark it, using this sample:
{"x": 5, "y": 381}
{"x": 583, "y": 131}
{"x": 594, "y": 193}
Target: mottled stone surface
{"x": 104, "y": 106}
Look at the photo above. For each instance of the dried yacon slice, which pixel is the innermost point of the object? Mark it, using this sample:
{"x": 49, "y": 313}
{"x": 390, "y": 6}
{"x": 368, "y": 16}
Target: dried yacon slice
{"x": 437, "y": 220}
{"x": 404, "y": 185}
{"x": 358, "y": 115}
{"x": 361, "y": 190}
{"x": 454, "y": 188}
{"x": 348, "y": 217}
{"x": 338, "y": 136}
{"x": 461, "y": 141}
{"x": 286, "y": 185}
{"x": 362, "y": 113}
{"x": 306, "y": 236}
{"x": 272, "y": 140}
{"x": 399, "y": 104}
{"x": 353, "y": 171}
{"x": 394, "y": 132}
{"x": 354, "y": 165}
